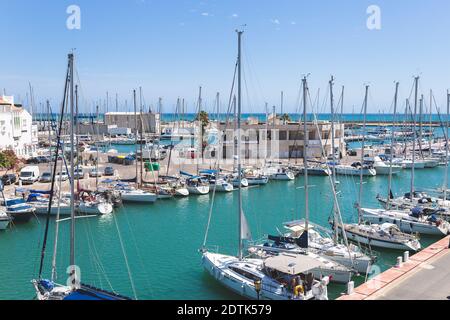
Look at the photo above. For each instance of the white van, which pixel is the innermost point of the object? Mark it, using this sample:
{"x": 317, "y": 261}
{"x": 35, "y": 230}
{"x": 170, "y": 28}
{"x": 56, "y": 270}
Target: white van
{"x": 29, "y": 175}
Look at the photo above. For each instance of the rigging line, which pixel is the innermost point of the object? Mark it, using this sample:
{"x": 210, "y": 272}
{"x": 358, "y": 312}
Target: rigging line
{"x": 141, "y": 261}
{"x": 219, "y": 153}
{"x": 125, "y": 257}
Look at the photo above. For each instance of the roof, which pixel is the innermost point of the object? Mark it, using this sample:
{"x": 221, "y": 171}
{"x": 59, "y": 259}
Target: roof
{"x": 292, "y": 263}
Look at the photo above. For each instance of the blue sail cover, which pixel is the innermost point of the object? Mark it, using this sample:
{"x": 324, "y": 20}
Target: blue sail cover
{"x": 211, "y": 172}
{"x": 88, "y": 293}
{"x": 41, "y": 192}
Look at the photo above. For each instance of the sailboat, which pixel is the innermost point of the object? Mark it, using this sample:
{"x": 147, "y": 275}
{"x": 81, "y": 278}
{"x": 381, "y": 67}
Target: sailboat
{"x": 303, "y": 236}
{"x": 262, "y": 278}
{"x": 319, "y": 239}
{"x": 383, "y": 234}
{"x": 413, "y": 221}
{"x": 216, "y": 181}
{"x": 74, "y": 289}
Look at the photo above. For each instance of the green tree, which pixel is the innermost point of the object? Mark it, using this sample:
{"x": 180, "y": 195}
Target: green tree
{"x": 8, "y": 159}
{"x": 203, "y": 117}
{"x": 285, "y": 118}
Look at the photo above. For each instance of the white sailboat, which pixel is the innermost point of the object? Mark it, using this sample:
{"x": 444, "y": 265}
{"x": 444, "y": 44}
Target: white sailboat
{"x": 382, "y": 168}
{"x": 197, "y": 186}
{"x": 258, "y": 278}
{"x": 130, "y": 194}
{"x": 74, "y": 290}
{"x": 373, "y": 234}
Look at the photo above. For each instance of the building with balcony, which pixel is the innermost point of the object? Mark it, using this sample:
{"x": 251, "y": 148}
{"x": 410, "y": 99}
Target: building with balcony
{"x": 17, "y": 131}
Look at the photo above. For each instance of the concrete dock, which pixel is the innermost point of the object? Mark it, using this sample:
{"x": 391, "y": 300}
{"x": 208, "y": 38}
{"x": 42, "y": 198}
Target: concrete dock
{"x": 425, "y": 276}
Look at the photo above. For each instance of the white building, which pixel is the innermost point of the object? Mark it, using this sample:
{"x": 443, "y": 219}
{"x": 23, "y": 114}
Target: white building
{"x": 17, "y": 131}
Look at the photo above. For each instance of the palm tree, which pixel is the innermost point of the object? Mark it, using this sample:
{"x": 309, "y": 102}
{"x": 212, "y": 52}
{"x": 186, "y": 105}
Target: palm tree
{"x": 285, "y": 118}
{"x": 203, "y": 117}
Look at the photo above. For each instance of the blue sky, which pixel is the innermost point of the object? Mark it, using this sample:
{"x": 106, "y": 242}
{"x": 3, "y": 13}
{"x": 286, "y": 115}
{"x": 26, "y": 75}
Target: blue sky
{"x": 170, "y": 48}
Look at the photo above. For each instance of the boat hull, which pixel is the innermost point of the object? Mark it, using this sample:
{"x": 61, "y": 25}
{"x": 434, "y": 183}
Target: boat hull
{"x": 95, "y": 208}
{"x": 4, "y": 223}
{"x": 358, "y": 238}
{"x": 382, "y": 170}
{"x": 257, "y": 181}
{"x": 139, "y": 198}
{"x": 181, "y": 192}
{"x": 408, "y": 226}
{"x": 199, "y": 190}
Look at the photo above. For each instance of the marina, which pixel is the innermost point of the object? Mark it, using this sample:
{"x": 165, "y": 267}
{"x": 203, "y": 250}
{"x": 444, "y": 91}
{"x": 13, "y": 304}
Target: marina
{"x": 156, "y": 175}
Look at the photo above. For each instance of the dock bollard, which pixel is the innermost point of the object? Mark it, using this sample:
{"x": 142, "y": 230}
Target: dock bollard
{"x": 399, "y": 262}
{"x": 406, "y": 256}
{"x": 350, "y": 287}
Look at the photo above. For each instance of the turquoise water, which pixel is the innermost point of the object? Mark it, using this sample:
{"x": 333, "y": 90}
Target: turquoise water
{"x": 162, "y": 240}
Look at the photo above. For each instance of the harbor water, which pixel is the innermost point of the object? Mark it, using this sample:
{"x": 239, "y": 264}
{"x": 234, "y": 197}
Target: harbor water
{"x": 161, "y": 241}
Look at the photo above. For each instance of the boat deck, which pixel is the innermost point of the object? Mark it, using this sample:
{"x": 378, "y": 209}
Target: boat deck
{"x": 425, "y": 276}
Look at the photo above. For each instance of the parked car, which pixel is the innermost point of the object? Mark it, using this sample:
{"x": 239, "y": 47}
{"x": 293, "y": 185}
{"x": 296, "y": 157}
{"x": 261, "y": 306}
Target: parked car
{"x": 62, "y": 175}
{"x": 9, "y": 179}
{"x": 109, "y": 171}
{"x": 46, "y": 177}
{"x": 94, "y": 173}
{"x": 78, "y": 173}
{"x": 32, "y": 160}
{"x": 42, "y": 159}
{"x": 29, "y": 175}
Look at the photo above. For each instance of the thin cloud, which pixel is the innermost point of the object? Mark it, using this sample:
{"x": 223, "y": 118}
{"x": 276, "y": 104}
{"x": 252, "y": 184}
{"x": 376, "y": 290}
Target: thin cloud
{"x": 235, "y": 15}
{"x": 206, "y": 14}
{"x": 275, "y": 21}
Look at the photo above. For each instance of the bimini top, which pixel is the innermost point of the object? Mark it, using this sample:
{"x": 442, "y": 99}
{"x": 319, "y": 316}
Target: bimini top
{"x": 293, "y": 264}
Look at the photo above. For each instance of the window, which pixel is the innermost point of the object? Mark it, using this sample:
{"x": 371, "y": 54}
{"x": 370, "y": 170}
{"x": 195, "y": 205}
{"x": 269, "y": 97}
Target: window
{"x": 283, "y": 135}
{"x": 296, "y": 136}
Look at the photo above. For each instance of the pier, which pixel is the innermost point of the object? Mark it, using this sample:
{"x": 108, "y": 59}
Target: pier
{"x": 424, "y": 276}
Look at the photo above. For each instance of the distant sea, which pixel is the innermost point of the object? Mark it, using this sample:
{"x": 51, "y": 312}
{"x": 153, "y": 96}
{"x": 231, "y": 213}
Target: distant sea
{"x": 348, "y": 117}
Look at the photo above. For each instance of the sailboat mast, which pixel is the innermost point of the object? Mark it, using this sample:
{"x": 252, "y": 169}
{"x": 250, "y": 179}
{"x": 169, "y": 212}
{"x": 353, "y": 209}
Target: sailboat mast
{"x": 305, "y": 156}
{"x": 392, "y": 146}
{"x": 141, "y": 136}
{"x": 362, "y": 156}
{"x": 135, "y": 133}
{"x": 431, "y": 128}
{"x": 239, "y": 110}
{"x": 72, "y": 152}
{"x": 421, "y": 125}
{"x": 416, "y": 84}
{"x": 333, "y": 148}
{"x": 446, "y": 147}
